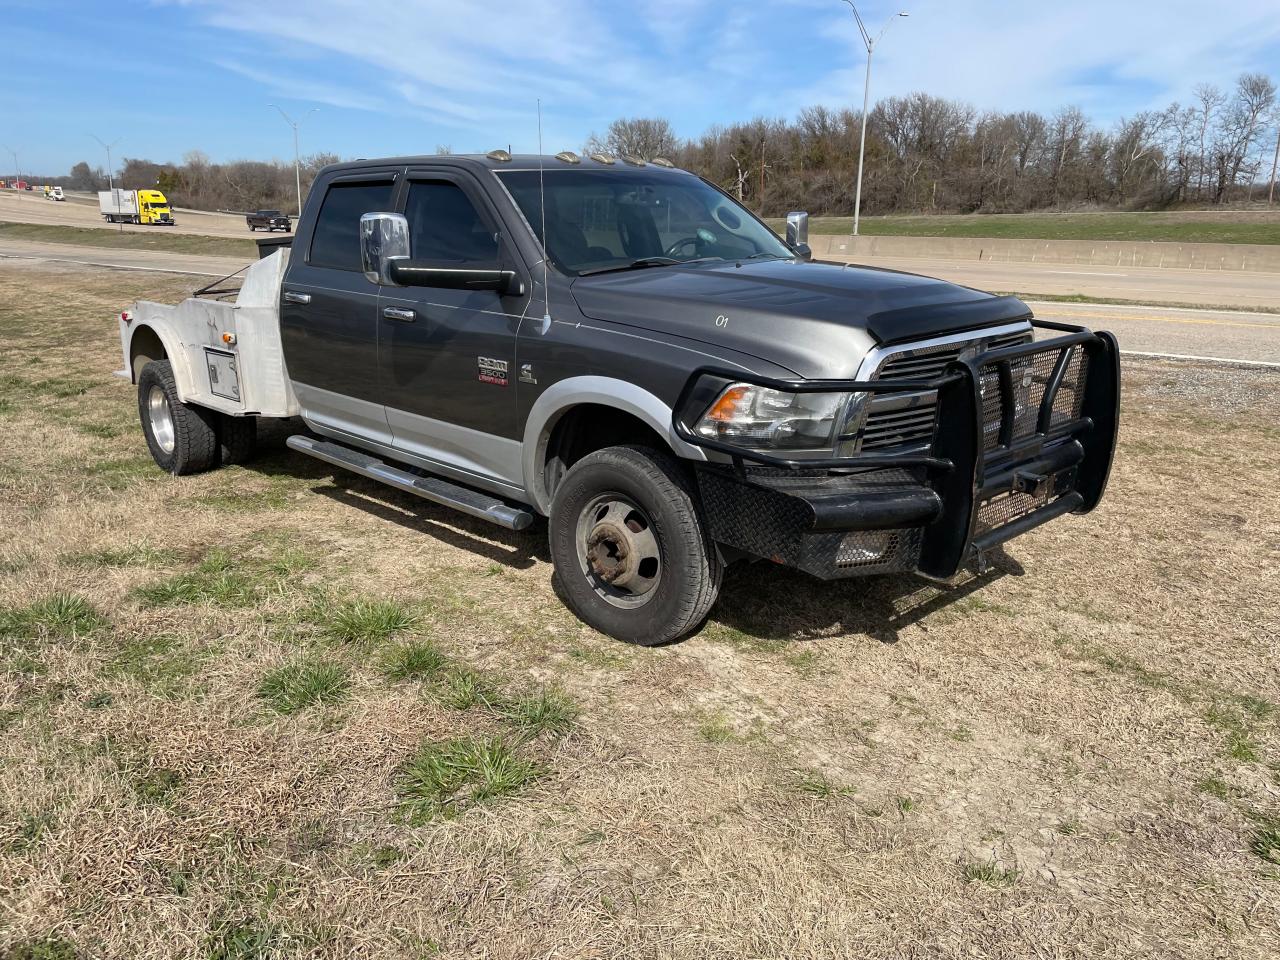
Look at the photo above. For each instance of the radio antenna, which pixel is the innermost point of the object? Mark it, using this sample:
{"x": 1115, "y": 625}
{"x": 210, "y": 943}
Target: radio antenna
{"x": 542, "y": 204}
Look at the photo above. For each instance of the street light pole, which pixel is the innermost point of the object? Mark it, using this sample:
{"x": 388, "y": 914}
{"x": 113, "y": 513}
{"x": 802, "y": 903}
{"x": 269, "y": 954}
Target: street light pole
{"x": 297, "y": 157}
{"x": 870, "y": 43}
{"x": 111, "y": 183}
{"x": 1271, "y": 194}
{"x": 17, "y": 173}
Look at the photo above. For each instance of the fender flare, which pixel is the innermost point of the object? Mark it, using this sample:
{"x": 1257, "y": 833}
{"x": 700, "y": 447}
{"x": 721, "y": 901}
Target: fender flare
{"x": 173, "y": 349}
{"x": 561, "y": 397}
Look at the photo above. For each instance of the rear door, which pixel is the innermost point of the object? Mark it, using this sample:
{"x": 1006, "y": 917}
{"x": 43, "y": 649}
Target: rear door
{"x": 329, "y": 314}
{"x": 447, "y": 357}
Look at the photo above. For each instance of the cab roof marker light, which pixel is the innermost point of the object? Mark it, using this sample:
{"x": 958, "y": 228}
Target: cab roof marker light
{"x": 632, "y": 160}
{"x": 662, "y": 162}
{"x": 501, "y": 156}
{"x": 568, "y": 156}
{"x": 603, "y": 158}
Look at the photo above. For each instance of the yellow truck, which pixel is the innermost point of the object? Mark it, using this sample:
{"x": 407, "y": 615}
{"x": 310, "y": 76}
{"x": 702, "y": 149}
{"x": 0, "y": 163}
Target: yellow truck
{"x": 134, "y": 206}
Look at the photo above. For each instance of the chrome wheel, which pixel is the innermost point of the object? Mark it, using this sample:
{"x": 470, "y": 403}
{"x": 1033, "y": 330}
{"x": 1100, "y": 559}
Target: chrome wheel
{"x": 618, "y": 551}
{"x": 161, "y": 418}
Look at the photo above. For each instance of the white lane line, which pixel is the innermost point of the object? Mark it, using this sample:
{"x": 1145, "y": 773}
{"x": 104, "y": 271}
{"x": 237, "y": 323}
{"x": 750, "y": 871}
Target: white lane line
{"x": 1074, "y": 307}
{"x": 1189, "y": 356}
{"x": 1086, "y": 273}
{"x": 113, "y": 266}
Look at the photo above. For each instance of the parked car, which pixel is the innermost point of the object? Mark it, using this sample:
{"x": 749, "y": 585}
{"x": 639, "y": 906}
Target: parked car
{"x": 268, "y": 220}
{"x": 670, "y": 384}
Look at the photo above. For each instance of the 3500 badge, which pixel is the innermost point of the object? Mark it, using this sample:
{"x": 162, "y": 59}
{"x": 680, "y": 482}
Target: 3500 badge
{"x": 492, "y": 371}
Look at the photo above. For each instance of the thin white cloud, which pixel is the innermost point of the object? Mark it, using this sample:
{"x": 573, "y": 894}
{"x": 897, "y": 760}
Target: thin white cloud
{"x": 293, "y": 87}
{"x": 1111, "y": 57}
{"x": 477, "y": 68}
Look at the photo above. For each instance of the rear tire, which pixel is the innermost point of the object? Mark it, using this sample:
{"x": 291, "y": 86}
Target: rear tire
{"x": 237, "y": 439}
{"x": 630, "y": 553}
{"x": 182, "y": 437}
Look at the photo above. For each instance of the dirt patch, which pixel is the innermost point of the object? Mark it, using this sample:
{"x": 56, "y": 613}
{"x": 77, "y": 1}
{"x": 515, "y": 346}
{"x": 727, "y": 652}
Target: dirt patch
{"x": 1075, "y": 755}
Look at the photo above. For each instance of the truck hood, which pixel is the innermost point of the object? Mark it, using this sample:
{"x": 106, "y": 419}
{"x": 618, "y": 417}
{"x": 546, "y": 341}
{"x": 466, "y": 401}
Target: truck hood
{"x": 815, "y": 319}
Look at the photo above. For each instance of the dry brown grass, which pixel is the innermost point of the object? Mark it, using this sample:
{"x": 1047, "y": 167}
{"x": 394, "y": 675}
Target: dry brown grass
{"x": 1077, "y": 760}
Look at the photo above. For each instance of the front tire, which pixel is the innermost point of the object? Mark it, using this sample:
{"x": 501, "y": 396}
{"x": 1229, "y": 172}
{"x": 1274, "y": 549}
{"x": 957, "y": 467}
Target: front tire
{"x": 182, "y": 437}
{"x": 630, "y": 553}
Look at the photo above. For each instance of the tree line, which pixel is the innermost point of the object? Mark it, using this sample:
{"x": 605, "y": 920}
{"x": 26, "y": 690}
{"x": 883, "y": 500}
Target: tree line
{"x": 203, "y": 185}
{"x": 924, "y": 154}
{"x": 929, "y": 154}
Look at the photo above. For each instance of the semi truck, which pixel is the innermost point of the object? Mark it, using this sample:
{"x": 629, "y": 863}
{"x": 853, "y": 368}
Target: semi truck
{"x": 623, "y": 351}
{"x": 135, "y": 206}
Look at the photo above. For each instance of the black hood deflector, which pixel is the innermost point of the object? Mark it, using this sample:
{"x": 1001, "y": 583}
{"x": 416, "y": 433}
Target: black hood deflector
{"x": 939, "y": 319}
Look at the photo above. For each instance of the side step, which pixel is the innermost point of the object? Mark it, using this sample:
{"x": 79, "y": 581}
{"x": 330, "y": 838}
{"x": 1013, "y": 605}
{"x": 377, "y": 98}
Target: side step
{"x": 436, "y": 490}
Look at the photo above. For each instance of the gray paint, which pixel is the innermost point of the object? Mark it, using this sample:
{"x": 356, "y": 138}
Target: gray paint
{"x": 351, "y": 415}
{"x": 472, "y": 451}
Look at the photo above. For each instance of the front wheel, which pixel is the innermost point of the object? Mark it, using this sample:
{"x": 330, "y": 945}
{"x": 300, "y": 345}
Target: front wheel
{"x": 631, "y": 557}
{"x": 182, "y": 437}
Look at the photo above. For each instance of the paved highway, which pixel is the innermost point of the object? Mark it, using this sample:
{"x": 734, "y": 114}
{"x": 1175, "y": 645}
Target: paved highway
{"x": 81, "y": 210}
{"x": 1221, "y": 334}
{"x": 124, "y": 259}
{"x": 1230, "y": 288}
{"x": 1165, "y": 331}
{"x": 1216, "y": 288}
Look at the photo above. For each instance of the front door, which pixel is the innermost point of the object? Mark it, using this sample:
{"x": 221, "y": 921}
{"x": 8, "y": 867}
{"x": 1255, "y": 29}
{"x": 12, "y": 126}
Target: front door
{"x": 329, "y": 315}
{"x": 447, "y": 357}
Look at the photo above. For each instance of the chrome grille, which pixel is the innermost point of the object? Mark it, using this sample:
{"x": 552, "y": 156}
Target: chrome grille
{"x": 899, "y": 420}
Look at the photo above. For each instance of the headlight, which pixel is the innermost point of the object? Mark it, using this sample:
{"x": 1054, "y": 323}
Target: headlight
{"x": 763, "y": 419}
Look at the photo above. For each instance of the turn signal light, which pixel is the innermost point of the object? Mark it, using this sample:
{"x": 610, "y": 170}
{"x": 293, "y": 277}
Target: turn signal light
{"x": 228, "y": 338}
{"x": 726, "y": 408}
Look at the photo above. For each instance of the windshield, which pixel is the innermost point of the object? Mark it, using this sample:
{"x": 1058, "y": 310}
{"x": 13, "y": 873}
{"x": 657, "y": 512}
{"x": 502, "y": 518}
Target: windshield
{"x": 603, "y": 219}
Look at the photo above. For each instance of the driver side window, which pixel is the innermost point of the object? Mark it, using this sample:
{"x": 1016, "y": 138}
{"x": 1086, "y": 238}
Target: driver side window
{"x": 446, "y": 227}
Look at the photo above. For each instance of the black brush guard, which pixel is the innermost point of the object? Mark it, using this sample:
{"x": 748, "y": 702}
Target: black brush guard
{"x": 1001, "y": 461}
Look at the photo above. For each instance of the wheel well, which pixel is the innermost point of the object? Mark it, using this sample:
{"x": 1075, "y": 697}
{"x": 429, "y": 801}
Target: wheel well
{"x": 144, "y": 347}
{"x": 587, "y": 428}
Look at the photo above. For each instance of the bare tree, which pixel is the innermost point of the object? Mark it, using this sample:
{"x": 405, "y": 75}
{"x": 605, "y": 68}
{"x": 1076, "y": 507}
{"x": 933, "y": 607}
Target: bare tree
{"x": 643, "y": 137}
{"x": 1210, "y": 100}
{"x": 1255, "y": 95}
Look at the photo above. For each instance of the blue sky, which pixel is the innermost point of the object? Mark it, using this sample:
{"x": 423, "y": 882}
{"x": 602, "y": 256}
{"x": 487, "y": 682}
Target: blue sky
{"x": 171, "y": 76}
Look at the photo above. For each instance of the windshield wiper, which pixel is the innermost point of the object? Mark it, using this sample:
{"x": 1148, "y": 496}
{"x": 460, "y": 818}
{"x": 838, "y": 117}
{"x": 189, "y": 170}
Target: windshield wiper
{"x": 644, "y": 262}
{"x": 633, "y": 265}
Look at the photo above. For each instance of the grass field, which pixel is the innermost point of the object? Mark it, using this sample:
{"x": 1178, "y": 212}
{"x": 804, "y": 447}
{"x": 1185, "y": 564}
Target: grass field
{"x": 158, "y": 240}
{"x": 1188, "y": 227}
{"x": 272, "y": 711}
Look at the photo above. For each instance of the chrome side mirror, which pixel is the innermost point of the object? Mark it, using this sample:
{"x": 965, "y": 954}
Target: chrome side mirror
{"x": 384, "y": 241}
{"x": 797, "y": 228}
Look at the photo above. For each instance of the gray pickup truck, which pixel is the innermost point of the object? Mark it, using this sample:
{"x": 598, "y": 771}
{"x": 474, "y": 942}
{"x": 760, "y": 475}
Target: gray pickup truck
{"x": 673, "y": 386}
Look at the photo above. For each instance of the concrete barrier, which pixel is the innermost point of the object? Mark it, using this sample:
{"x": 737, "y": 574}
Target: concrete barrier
{"x": 1258, "y": 257}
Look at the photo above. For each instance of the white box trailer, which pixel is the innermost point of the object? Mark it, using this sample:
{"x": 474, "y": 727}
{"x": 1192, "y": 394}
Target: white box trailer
{"x": 118, "y": 204}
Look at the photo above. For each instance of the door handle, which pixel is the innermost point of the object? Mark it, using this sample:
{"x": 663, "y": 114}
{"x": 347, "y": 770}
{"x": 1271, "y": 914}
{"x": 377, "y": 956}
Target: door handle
{"x": 399, "y": 313}
{"x": 291, "y": 297}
